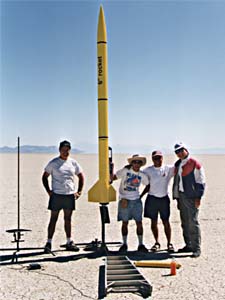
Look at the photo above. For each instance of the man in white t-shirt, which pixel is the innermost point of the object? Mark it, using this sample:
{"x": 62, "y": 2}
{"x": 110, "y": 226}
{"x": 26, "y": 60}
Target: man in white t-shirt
{"x": 157, "y": 201}
{"x": 130, "y": 205}
{"x": 63, "y": 193}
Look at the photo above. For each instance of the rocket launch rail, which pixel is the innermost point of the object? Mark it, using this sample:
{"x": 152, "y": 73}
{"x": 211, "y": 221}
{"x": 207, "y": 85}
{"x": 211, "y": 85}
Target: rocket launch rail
{"x": 102, "y": 191}
{"x": 18, "y": 232}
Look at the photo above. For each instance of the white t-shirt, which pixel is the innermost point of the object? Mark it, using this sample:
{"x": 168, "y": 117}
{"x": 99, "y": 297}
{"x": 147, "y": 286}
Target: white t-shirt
{"x": 130, "y": 183}
{"x": 159, "y": 179}
{"x": 180, "y": 170}
{"x": 62, "y": 173}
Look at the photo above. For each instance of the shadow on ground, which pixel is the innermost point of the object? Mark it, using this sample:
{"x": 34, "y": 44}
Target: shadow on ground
{"x": 22, "y": 258}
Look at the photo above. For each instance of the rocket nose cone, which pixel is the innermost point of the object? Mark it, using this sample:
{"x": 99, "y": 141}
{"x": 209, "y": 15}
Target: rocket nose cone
{"x": 101, "y": 16}
{"x": 101, "y": 11}
{"x": 102, "y": 36}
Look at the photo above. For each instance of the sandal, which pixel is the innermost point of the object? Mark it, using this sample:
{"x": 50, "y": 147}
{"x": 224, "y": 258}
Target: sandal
{"x": 155, "y": 247}
{"x": 170, "y": 248}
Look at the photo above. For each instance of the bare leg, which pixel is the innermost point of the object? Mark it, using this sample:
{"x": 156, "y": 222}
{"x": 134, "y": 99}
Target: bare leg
{"x": 155, "y": 231}
{"x": 67, "y": 222}
{"x": 141, "y": 246}
{"x": 124, "y": 229}
{"x": 139, "y": 228}
{"x": 167, "y": 230}
{"x": 52, "y": 223}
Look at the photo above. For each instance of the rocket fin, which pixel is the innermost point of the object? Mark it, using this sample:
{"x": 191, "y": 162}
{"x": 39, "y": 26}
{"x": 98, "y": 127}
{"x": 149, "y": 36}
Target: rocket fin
{"x": 102, "y": 193}
{"x": 112, "y": 193}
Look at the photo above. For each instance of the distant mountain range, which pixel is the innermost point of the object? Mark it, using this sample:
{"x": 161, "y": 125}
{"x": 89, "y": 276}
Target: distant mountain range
{"x": 148, "y": 149}
{"x": 34, "y": 149}
{"x": 88, "y": 148}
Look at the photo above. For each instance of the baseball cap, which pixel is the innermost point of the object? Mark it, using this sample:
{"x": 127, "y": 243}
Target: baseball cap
{"x": 179, "y": 146}
{"x": 64, "y": 144}
{"x": 157, "y": 153}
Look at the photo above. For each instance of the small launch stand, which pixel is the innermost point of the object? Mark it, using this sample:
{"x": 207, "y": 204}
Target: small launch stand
{"x": 104, "y": 220}
{"x": 18, "y": 232}
{"x": 101, "y": 246}
{"x": 104, "y": 211}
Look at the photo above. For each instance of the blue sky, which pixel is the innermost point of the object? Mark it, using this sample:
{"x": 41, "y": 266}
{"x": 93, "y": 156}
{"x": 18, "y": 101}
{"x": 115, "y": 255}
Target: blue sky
{"x": 166, "y": 63}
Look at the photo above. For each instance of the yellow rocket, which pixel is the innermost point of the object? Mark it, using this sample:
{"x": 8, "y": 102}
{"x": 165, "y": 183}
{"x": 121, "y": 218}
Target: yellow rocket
{"x": 102, "y": 191}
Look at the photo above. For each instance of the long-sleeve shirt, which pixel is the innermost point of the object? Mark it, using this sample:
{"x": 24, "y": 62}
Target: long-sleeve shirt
{"x": 189, "y": 178}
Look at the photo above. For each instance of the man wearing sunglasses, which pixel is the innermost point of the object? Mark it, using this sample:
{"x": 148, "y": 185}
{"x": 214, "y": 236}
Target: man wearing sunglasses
{"x": 188, "y": 189}
{"x": 158, "y": 201}
{"x": 130, "y": 204}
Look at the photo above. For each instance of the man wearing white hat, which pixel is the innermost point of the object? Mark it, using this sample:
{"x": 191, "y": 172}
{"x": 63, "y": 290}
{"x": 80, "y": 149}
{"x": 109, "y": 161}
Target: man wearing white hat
{"x": 188, "y": 189}
{"x": 130, "y": 205}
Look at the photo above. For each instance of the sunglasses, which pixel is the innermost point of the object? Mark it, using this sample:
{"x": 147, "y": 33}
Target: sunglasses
{"x": 157, "y": 157}
{"x": 137, "y": 162}
{"x": 179, "y": 150}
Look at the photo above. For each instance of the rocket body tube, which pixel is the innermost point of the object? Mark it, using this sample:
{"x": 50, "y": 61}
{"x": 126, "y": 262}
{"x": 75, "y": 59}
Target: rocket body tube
{"x": 102, "y": 191}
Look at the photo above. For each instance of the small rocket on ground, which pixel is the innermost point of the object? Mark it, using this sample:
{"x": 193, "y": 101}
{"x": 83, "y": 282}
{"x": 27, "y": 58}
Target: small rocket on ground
{"x": 102, "y": 191}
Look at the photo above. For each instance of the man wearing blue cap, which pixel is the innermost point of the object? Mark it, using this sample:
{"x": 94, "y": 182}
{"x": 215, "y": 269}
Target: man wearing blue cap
{"x": 188, "y": 189}
{"x": 62, "y": 194}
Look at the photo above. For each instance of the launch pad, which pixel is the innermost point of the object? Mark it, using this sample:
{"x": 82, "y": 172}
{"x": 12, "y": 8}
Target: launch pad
{"x": 18, "y": 232}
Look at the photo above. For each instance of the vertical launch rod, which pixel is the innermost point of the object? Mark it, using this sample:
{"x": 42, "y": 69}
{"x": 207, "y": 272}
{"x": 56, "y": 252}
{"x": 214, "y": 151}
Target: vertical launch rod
{"x": 18, "y": 192}
{"x": 18, "y": 232}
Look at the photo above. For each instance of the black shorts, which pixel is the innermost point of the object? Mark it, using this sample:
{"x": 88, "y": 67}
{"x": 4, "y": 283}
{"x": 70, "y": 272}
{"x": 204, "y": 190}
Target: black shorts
{"x": 57, "y": 202}
{"x": 155, "y": 205}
